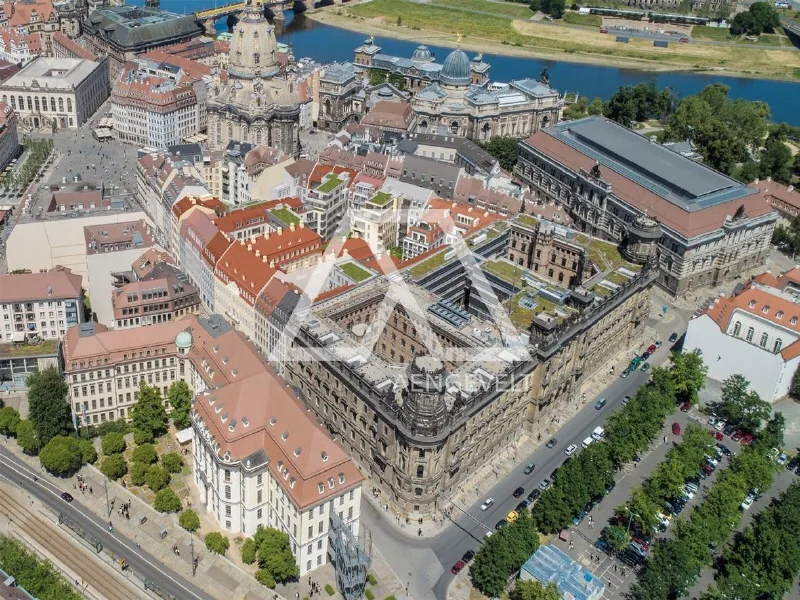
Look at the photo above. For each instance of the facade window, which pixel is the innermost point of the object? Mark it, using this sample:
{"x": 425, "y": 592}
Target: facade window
{"x": 763, "y": 342}
{"x": 227, "y": 492}
{"x": 778, "y": 345}
{"x": 737, "y": 328}
{"x": 750, "y": 333}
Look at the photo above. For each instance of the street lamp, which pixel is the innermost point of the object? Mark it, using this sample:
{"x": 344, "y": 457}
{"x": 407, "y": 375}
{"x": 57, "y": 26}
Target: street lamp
{"x": 191, "y": 548}
{"x": 631, "y": 514}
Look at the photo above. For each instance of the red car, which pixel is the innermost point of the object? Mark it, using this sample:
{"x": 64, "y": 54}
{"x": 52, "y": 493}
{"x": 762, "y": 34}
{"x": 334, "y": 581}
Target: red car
{"x": 652, "y": 349}
{"x": 707, "y": 469}
{"x": 746, "y": 439}
{"x": 738, "y": 435}
{"x": 458, "y": 567}
{"x": 685, "y": 407}
{"x": 717, "y": 435}
{"x": 676, "y": 429}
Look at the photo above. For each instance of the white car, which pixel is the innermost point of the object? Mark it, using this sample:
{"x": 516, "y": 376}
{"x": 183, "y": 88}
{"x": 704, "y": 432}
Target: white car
{"x": 487, "y": 503}
{"x": 721, "y": 424}
{"x": 712, "y": 420}
{"x": 782, "y": 458}
{"x": 712, "y": 461}
{"x": 748, "y": 502}
{"x": 571, "y": 449}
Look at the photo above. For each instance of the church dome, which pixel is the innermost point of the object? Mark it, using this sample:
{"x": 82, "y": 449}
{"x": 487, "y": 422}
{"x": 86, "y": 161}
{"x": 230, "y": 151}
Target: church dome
{"x": 254, "y": 49}
{"x": 422, "y": 54}
{"x": 456, "y": 69}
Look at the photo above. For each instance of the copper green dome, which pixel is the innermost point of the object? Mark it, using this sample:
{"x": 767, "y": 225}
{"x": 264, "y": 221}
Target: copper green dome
{"x": 456, "y": 69}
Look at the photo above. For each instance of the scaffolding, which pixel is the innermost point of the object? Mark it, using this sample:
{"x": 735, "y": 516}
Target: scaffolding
{"x": 351, "y": 555}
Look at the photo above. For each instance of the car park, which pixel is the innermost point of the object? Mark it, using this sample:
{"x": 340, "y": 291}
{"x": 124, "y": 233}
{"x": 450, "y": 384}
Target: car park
{"x": 67, "y": 497}
{"x": 551, "y": 443}
{"x": 458, "y": 567}
{"x": 600, "y": 404}
{"x": 571, "y": 449}
{"x": 673, "y": 337}
{"x": 534, "y": 495}
{"x": 676, "y": 428}
{"x": 529, "y": 468}
{"x": 545, "y": 484}
{"x": 518, "y": 492}
{"x": 487, "y": 503}
{"x": 468, "y": 556}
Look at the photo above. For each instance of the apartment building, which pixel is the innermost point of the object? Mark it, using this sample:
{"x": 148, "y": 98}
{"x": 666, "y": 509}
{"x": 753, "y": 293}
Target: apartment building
{"x": 378, "y": 222}
{"x": 9, "y": 137}
{"x": 182, "y": 209}
{"x": 18, "y": 47}
{"x": 326, "y": 199}
{"x": 201, "y": 247}
{"x": 40, "y": 305}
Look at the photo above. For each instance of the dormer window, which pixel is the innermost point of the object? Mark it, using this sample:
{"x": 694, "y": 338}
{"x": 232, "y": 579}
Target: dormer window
{"x": 324, "y": 457}
{"x": 331, "y": 482}
{"x": 341, "y": 478}
{"x": 779, "y": 314}
{"x": 297, "y": 451}
{"x": 272, "y": 421}
{"x": 321, "y": 487}
{"x": 752, "y": 303}
{"x": 765, "y": 310}
{"x": 793, "y": 321}
{"x": 285, "y": 436}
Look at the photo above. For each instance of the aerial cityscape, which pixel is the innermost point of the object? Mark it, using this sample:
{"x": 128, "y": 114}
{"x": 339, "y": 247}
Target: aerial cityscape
{"x": 399, "y": 299}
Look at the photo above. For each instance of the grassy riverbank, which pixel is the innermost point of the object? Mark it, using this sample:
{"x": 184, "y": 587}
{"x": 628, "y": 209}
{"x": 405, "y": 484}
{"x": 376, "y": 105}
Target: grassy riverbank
{"x": 503, "y": 28}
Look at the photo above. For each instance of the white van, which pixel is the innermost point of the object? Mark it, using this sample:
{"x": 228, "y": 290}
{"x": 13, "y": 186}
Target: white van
{"x": 598, "y": 432}
{"x": 587, "y": 442}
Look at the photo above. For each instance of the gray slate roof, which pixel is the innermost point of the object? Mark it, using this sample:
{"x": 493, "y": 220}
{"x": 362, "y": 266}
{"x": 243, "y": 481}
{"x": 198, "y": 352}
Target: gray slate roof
{"x": 129, "y": 28}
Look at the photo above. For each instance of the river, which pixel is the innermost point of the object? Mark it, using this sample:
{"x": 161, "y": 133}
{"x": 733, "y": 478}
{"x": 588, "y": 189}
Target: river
{"x": 324, "y": 43}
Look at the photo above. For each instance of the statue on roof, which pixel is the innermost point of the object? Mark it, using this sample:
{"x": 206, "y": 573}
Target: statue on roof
{"x": 371, "y": 39}
{"x": 544, "y": 78}
{"x": 459, "y": 36}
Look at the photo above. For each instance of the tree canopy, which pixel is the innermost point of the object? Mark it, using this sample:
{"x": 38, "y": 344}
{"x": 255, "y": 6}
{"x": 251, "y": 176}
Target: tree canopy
{"x": 49, "y": 409}
{"x": 504, "y": 149}
{"x": 167, "y": 501}
{"x": 274, "y": 554}
{"x": 9, "y": 420}
{"x": 149, "y": 414}
{"x": 189, "y": 520}
{"x": 741, "y": 406}
{"x": 113, "y": 443}
{"x": 631, "y": 103}
{"x": 688, "y": 374}
{"x": 760, "y": 18}
{"x": 172, "y": 462}
{"x": 533, "y": 589}
{"x": 146, "y": 454}
{"x": 114, "y": 466}
{"x": 38, "y": 576}
{"x": 157, "y": 478}
{"x": 26, "y": 437}
{"x": 180, "y": 399}
{"x": 61, "y": 455}
{"x": 217, "y": 543}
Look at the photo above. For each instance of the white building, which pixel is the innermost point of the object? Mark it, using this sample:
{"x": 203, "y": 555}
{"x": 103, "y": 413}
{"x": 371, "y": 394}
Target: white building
{"x": 378, "y": 222}
{"x": 19, "y": 47}
{"x": 56, "y": 93}
{"x": 755, "y": 333}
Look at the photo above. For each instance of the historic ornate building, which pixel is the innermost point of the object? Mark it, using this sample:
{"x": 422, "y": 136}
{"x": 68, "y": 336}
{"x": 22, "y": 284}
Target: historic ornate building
{"x": 458, "y": 103}
{"x": 257, "y": 103}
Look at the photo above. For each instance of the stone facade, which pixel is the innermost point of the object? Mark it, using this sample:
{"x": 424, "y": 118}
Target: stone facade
{"x": 338, "y": 86}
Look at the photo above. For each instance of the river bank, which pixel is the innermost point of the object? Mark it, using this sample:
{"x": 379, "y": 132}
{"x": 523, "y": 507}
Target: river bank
{"x": 439, "y": 24}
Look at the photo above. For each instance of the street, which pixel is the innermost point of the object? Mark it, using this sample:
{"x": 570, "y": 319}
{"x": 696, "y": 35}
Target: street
{"x": 140, "y": 561}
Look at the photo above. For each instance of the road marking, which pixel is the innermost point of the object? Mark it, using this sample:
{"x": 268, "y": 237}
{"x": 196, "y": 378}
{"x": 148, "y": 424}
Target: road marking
{"x": 11, "y": 466}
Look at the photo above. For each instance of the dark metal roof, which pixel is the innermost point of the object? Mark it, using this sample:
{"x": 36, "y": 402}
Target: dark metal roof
{"x": 132, "y": 28}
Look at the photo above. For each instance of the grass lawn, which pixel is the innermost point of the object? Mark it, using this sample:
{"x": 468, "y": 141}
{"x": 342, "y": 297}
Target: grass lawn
{"x": 355, "y": 272}
{"x": 617, "y": 278}
{"x": 504, "y": 270}
{"x": 512, "y": 10}
{"x": 331, "y": 183}
{"x": 574, "y": 18}
{"x": 380, "y": 199}
{"x": 528, "y": 220}
{"x": 717, "y": 34}
{"x": 605, "y": 255}
{"x": 284, "y": 215}
{"x": 42, "y": 348}
{"x": 428, "y": 265}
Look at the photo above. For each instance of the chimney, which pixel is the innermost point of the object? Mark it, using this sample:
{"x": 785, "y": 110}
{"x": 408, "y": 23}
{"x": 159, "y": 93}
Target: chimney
{"x": 266, "y": 235}
{"x": 258, "y": 253}
{"x": 264, "y": 259}
{"x": 345, "y": 252}
{"x": 249, "y": 247}
{"x": 280, "y": 230}
{"x": 272, "y": 264}
{"x": 301, "y": 224}
{"x": 291, "y": 227}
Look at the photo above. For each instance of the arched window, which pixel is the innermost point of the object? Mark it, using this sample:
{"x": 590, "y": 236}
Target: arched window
{"x": 30, "y": 104}
{"x": 420, "y": 471}
{"x": 13, "y": 102}
{"x": 454, "y": 127}
{"x": 763, "y": 342}
{"x": 36, "y": 103}
{"x": 230, "y": 131}
{"x": 44, "y": 104}
{"x": 53, "y": 104}
{"x": 737, "y": 328}
{"x": 227, "y": 492}
{"x": 5, "y": 99}
{"x": 69, "y": 104}
{"x": 60, "y": 105}
{"x": 21, "y": 103}
{"x": 750, "y": 333}
{"x": 778, "y": 345}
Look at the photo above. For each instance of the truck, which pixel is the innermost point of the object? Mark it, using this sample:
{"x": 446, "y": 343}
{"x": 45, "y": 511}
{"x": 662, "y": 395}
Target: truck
{"x": 598, "y": 432}
{"x": 587, "y": 442}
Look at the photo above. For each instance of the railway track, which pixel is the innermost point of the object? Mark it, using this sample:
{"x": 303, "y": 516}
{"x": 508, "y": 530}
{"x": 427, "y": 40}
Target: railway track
{"x": 78, "y": 561}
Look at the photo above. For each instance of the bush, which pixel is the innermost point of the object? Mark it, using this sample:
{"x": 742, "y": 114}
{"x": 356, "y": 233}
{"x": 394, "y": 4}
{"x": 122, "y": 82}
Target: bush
{"x": 88, "y": 453}
{"x": 217, "y": 543}
{"x": 264, "y": 577}
{"x": 172, "y": 462}
{"x": 120, "y": 426}
{"x": 140, "y": 436}
{"x": 368, "y": 593}
{"x": 372, "y": 579}
{"x": 145, "y": 453}
{"x": 249, "y": 551}
{"x": 167, "y": 501}
{"x": 329, "y": 589}
{"x": 113, "y": 443}
{"x": 62, "y": 455}
{"x": 157, "y": 478}
{"x": 138, "y": 474}
{"x": 26, "y": 437}
{"x": 9, "y": 419}
{"x": 114, "y": 466}
{"x": 189, "y": 520}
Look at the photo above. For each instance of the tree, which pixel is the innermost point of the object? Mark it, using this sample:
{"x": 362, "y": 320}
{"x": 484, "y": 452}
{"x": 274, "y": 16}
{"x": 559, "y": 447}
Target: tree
{"x": 534, "y": 590}
{"x": 26, "y": 437}
{"x": 189, "y": 520}
{"x": 172, "y": 462}
{"x": 275, "y": 553}
{"x": 689, "y": 375}
{"x": 535, "y": 5}
{"x": 157, "y": 478}
{"x": 167, "y": 501}
{"x": 61, "y": 455}
{"x": 555, "y": 8}
{"x": 88, "y": 453}
{"x": 796, "y": 165}
{"x": 761, "y": 17}
{"x": 265, "y": 578}
{"x": 180, "y": 399}
{"x": 772, "y": 434}
{"x": 249, "y": 551}
{"x": 617, "y": 537}
{"x": 149, "y": 414}
{"x": 595, "y": 107}
{"x": 138, "y": 473}
{"x": 776, "y": 160}
{"x": 742, "y": 407}
{"x": 146, "y": 454}
{"x": 114, "y": 466}
{"x": 504, "y": 149}
{"x": 142, "y": 436}
{"x": 217, "y": 543}
{"x": 48, "y": 406}
{"x": 113, "y": 443}
{"x": 503, "y": 554}
{"x": 38, "y": 576}
{"x": 9, "y": 420}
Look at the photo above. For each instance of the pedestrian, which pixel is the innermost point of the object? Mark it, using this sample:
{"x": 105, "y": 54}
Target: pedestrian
{"x": 623, "y": 571}
{"x": 91, "y": 491}
{"x": 665, "y": 439}
{"x": 615, "y": 567}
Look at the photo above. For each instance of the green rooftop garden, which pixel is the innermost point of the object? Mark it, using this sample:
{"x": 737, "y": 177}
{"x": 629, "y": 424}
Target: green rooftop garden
{"x": 504, "y": 270}
{"x": 428, "y": 265}
{"x": 43, "y": 348}
{"x": 330, "y": 183}
{"x": 601, "y": 291}
{"x": 604, "y": 255}
{"x": 354, "y": 272}
{"x": 522, "y": 317}
{"x": 284, "y": 215}
{"x": 381, "y": 199}
{"x": 616, "y": 278}
{"x": 528, "y": 220}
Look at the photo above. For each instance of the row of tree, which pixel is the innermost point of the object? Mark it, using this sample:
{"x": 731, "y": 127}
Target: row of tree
{"x": 38, "y": 151}
{"x": 39, "y": 577}
{"x": 503, "y": 554}
{"x": 271, "y": 549}
{"x": 764, "y": 560}
{"x": 674, "y": 564}
{"x": 664, "y": 485}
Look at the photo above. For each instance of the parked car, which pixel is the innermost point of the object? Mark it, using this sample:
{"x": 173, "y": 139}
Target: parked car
{"x": 676, "y": 428}
{"x": 625, "y": 373}
{"x": 545, "y": 484}
{"x": 707, "y": 469}
{"x": 468, "y": 556}
{"x": 748, "y": 502}
{"x": 720, "y": 426}
{"x": 600, "y": 404}
{"x": 645, "y": 367}
{"x": 500, "y": 524}
{"x": 518, "y": 492}
{"x": 521, "y": 506}
{"x": 782, "y": 458}
{"x": 645, "y": 355}
{"x": 686, "y": 406}
{"x": 746, "y": 440}
{"x": 625, "y": 400}
{"x": 512, "y": 516}
{"x": 792, "y": 464}
{"x": 711, "y": 460}
{"x": 551, "y": 443}
{"x": 487, "y": 503}
{"x": 458, "y": 567}
{"x": 534, "y": 495}
{"x": 658, "y": 343}
{"x": 652, "y": 349}
{"x": 570, "y": 450}
{"x": 673, "y": 337}
{"x": 738, "y": 435}
{"x": 729, "y": 429}
{"x": 716, "y": 435}
{"x": 529, "y": 468}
